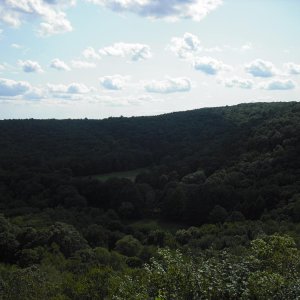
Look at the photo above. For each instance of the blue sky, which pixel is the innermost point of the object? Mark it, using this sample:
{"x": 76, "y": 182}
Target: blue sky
{"x": 101, "y": 58}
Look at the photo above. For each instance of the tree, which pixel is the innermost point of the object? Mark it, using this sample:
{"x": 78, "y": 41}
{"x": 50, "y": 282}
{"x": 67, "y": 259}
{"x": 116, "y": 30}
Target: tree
{"x": 128, "y": 246}
{"x": 218, "y": 214}
{"x": 67, "y": 238}
{"x": 174, "y": 203}
{"x": 8, "y": 240}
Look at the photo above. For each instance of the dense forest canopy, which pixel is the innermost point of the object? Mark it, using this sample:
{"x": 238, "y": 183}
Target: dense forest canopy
{"x": 216, "y": 189}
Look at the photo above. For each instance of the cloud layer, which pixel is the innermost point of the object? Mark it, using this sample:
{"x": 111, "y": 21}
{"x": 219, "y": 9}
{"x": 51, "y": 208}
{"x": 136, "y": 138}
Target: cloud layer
{"x": 158, "y": 9}
{"x": 51, "y": 13}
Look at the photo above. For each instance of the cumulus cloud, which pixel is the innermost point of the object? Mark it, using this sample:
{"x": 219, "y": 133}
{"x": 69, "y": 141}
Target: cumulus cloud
{"x": 51, "y": 13}
{"x": 30, "y": 66}
{"x": 236, "y": 82}
{"x": 168, "y": 85}
{"x": 59, "y": 65}
{"x": 80, "y": 64}
{"x": 35, "y": 94}
{"x": 90, "y": 53}
{"x": 157, "y": 9}
{"x": 261, "y": 68}
{"x": 189, "y": 46}
{"x": 135, "y": 52}
{"x": 56, "y": 25}
{"x": 12, "y": 88}
{"x": 292, "y": 68}
{"x": 115, "y": 82}
{"x": 285, "y": 84}
{"x": 209, "y": 65}
{"x": 78, "y": 88}
{"x": 186, "y": 46}
{"x": 73, "y": 88}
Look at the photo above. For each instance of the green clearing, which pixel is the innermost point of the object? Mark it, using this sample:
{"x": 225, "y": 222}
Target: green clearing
{"x": 131, "y": 174}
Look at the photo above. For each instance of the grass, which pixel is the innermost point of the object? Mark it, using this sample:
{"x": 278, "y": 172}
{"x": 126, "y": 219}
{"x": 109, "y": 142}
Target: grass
{"x": 131, "y": 175}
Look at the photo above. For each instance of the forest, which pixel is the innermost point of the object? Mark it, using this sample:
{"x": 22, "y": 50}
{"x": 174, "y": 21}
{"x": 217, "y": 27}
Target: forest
{"x": 208, "y": 206}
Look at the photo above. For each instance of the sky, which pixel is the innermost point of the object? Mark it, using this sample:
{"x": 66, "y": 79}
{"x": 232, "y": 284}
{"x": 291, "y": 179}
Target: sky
{"x": 100, "y": 58}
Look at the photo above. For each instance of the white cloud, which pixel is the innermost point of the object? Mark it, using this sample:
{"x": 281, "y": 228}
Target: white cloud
{"x": 186, "y": 46}
{"x": 169, "y": 85}
{"x": 30, "y": 66}
{"x": 209, "y": 65}
{"x": 285, "y": 84}
{"x": 247, "y": 46}
{"x": 292, "y": 68}
{"x": 115, "y": 82}
{"x": 73, "y": 88}
{"x": 12, "y": 88}
{"x": 16, "y": 46}
{"x": 35, "y": 94}
{"x": 80, "y": 64}
{"x": 122, "y": 101}
{"x": 51, "y": 12}
{"x": 55, "y": 25}
{"x": 135, "y": 52}
{"x": 59, "y": 65}
{"x": 78, "y": 88}
{"x": 238, "y": 83}
{"x": 261, "y": 68}
{"x": 2, "y": 68}
{"x": 158, "y": 9}
{"x": 90, "y": 53}
{"x": 189, "y": 46}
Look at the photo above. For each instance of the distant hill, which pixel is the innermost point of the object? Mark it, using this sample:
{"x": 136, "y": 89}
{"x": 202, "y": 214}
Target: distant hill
{"x": 248, "y": 156}
{"x": 214, "y": 137}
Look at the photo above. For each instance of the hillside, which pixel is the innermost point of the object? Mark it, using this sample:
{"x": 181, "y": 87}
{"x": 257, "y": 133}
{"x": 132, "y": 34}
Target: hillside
{"x": 232, "y": 173}
{"x": 247, "y": 156}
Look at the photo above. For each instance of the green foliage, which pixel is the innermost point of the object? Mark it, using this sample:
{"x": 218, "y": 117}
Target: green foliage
{"x": 128, "y": 246}
{"x": 218, "y": 214}
{"x": 30, "y": 283}
{"x": 264, "y": 285}
{"x": 277, "y": 253}
{"x": 215, "y": 216}
{"x": 67, "y": 238}
{"x": 174, "y": 275}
